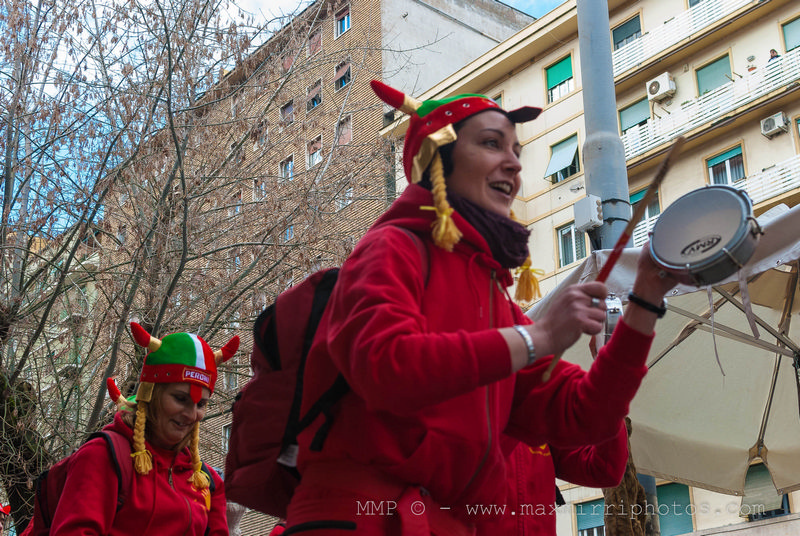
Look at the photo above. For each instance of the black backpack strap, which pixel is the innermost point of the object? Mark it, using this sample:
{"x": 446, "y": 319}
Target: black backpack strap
{"x": 212, "y": 486}
{"x": 119, "y": 449}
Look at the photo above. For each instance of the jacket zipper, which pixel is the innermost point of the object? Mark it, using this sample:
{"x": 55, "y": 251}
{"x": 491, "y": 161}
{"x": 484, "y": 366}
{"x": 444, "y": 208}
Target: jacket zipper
{"x": 487, "y": 405}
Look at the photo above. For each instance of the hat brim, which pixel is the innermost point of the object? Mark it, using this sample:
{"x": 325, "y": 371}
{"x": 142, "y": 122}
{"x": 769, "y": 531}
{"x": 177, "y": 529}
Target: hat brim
{"x": 523, "y": 115}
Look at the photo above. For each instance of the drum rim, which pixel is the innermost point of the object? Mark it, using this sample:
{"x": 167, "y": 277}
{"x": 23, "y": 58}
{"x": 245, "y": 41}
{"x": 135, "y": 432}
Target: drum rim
{"x": 736, "y": 240}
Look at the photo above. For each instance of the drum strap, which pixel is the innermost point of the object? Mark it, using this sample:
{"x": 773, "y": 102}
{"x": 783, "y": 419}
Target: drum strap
{"x": 748, "y": 306}
{"x": 713, "y": 333}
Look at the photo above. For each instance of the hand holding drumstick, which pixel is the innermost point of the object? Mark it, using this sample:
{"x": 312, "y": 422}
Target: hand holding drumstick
{"x": 581, "y": 308}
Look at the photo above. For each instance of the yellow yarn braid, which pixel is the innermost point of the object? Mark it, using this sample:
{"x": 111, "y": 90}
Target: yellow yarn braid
{"x": 142, "y": 459}
{"x": 198, "y": 479}
{"x": 445, "y": 233}
{"x": 527, "y": 284}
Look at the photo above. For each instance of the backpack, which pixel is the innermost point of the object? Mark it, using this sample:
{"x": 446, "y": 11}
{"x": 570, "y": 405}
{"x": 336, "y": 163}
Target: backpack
{"x": 50, "y": 483}
{"x": 261, "y": 464}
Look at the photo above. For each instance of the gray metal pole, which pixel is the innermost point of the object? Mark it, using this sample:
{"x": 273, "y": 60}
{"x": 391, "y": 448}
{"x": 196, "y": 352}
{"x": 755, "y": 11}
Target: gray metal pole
{"x": 603, "y": 152}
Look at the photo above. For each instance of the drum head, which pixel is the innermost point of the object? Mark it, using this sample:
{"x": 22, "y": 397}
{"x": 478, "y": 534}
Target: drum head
{"x": 692, "y": 232}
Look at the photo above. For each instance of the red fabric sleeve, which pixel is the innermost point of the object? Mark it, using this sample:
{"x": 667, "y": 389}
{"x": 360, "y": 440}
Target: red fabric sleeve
{"x": 88, "y": 501}
{"x": 576, "y": 408}
{"x": 595, "y": 466}
{"x": 377, "y": 334}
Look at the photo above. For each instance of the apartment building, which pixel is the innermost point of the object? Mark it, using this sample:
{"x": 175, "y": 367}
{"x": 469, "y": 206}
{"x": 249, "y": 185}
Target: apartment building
{"x": 698, "y": 68}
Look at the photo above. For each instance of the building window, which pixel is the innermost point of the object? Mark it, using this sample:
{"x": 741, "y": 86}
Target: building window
{"x": 761, "y": 500}
{"x": 287, "y": 169}
{"x": 237, "y": 154}
{"x": 288, "y": 234}
{"x": 287, "y": 112}
{"x": 122, "y": 235}
{"x": 314, "y": 97}
{"x": 344, "y": 131}
{"x": 626, "y": 32}
{"x": 571, "y": 244}
{"x": 260, "y": 133}
{"x": 675, "y": 517}
{"x": 590, "y": 518}
{"x": 286, "y": 62}
{"x": 236, "y": 204}
{"x": 498, "y": 99}
{"x": 315, "y": 42}
{"x": 726, "y": 168}
{"x": 314, "y": 151}
{"x": 231, "y": 379}
{"x": 259, "y": 188}
{"x": 693, "y": 3}
{"x": 344, "y": 199}
{"x": 342, "y": 21}
{"x": 648, "y": 221}
{"x": 564, "y": 160}
{"x": 226, "y": 437}
{"x": 342, "y": 75}
{"x": 714, "y": 75}
{"x": 559, "y": 79}
{"x": 791, "y": 34}
{"x": 634, "y": 115}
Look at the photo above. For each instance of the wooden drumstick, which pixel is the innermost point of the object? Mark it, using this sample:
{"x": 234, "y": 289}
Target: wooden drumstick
{"x": 626, "y": 234}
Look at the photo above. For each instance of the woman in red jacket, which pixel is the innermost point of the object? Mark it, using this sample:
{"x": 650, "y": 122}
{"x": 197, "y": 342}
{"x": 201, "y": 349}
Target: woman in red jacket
{"x": 170, "y": 490}
{"x": 440, "y": 361}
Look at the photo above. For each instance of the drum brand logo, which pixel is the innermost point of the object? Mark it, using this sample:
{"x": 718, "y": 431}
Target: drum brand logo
{"x": 701, "y": 245}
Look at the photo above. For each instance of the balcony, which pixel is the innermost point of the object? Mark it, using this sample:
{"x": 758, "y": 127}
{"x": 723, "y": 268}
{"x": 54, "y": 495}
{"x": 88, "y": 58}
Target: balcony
{"x": 745, "y": 89}
{"x": 674, "y": 31}
{"x": 778, "y": 179}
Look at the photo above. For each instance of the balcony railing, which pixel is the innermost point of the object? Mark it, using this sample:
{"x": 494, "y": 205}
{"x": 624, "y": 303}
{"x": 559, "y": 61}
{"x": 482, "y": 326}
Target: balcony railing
{"x": 673, "y": 31}
{"x": 771, "y": 182}
{"x": 713, "y": 105}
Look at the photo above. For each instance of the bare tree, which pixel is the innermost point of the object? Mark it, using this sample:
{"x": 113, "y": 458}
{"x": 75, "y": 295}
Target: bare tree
{"x": 151, "y": 172}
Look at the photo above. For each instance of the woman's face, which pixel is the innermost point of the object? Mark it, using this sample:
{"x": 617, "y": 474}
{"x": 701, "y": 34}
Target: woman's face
{"x": 486, "y": 162}
{"x": 176, "y": 415}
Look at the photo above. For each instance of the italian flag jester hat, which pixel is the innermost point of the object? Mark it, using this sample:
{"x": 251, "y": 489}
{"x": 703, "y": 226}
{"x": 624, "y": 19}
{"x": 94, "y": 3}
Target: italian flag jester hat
{"x": 179, "y": 358}
{"x": 430, "y": 127}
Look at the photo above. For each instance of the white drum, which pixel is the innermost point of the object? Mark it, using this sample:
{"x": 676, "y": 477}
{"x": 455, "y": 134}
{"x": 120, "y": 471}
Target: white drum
{"x": 705, "y": 235}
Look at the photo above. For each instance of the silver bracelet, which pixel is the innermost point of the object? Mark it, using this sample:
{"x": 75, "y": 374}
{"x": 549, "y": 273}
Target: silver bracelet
{"x": 528, "y": 343}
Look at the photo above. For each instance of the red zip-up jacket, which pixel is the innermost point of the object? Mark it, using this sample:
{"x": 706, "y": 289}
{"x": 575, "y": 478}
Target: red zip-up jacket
{"x": 430, "y": 374}
{"x": 160, "y": 502}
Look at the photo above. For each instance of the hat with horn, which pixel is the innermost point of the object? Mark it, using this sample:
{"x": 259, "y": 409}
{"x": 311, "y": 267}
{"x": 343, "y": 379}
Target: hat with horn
{"x": 430, "y": 127}
{"x": 176, "y": 358}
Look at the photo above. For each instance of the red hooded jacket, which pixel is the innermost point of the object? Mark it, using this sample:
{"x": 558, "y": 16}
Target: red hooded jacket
{"x": 160, "y": 502}
{"x": 430, "y": 374}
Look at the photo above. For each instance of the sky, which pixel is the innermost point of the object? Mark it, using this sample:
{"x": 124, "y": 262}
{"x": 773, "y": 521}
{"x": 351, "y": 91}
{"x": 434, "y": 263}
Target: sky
{"x": 273, "y": 8}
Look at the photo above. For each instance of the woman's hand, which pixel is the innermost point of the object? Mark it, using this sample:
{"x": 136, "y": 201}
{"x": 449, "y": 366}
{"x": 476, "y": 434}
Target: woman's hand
{"x": 577, "y": 310}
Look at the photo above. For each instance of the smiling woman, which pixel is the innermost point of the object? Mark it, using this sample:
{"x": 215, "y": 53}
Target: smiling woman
{"x": 171, "y": 491}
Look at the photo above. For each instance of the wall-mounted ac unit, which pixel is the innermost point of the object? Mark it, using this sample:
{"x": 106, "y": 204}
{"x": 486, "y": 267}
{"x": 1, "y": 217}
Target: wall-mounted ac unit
{"x": 661, "y": 87}
{"x": 774, "y": 125}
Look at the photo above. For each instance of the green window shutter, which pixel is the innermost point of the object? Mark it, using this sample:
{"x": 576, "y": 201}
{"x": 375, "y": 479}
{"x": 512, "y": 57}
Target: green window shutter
{"x": 760, "y": 494}
{"x": 590, "y": 514}
{"x": 714, "y": 75}
{"x": 791, "y": 34}
{"x": 674, "y": 500}
{"x": 625, "y": 30}
{"x": 634, "y": 114}
{"x": 559, "y": 72}
{"x": 638, "y": 196}
{"x": 727, "y": 155}
{"x": 562, "y": 155}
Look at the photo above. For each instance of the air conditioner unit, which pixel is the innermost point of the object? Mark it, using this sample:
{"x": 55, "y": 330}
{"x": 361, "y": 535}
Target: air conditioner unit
{"x": 661, "y": 87}
{"x": 774, "y": 125}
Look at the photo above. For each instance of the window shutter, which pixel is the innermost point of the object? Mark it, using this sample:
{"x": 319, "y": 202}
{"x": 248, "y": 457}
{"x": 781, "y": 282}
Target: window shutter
{"x": 678, "y": 519}
{"x": 760, "y": 494}
{"x": 563, "y": 155}
{"x": 559, "y": 72}
{"x": 315, "y": 43}
{"x": 791, "y": 34}
{"x": 634, "y": 114}
{"x": 727, "y": 155}
{"x": 341, "y": 69}
{"x": 590, "y": 514}
{"x": 625, "y": 30}
{"x": 714, "y": 75}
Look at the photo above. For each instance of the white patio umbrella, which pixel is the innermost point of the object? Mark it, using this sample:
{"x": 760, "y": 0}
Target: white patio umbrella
{"x": 691, "y": 423}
